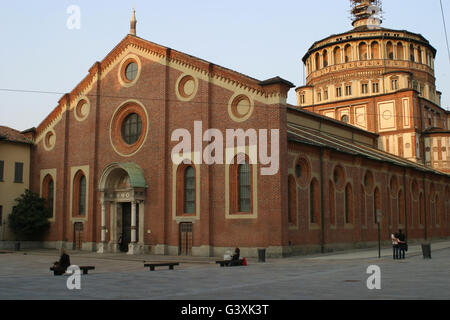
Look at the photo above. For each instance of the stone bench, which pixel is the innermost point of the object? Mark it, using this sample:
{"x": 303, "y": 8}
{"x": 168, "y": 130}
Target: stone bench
{"x": 167, "y": 264}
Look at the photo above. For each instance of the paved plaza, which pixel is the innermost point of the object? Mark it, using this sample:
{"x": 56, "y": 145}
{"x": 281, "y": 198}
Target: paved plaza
{"x": 26, "y": 275}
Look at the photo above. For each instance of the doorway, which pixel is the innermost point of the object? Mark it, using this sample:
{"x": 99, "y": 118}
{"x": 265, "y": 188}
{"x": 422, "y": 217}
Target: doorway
{"x": 185, "y": 239}
{"x": 78, "y": 236}
{"x": 126, "y": 226}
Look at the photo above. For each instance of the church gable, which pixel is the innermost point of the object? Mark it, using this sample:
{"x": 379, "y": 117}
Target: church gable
{"x": 134, "y": 52}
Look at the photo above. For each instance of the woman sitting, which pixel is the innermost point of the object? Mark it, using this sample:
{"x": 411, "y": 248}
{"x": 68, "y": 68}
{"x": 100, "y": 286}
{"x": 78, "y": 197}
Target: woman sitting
{"x": 60, "y": 267}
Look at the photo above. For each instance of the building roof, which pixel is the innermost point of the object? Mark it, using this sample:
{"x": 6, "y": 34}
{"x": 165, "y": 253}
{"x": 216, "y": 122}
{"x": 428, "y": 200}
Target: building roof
{"x": 305, "y": 135}
{"x": 12, "y": 135}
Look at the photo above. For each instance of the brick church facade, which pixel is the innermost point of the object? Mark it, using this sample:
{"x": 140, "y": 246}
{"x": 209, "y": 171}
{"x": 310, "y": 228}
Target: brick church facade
{"x": 104, "y": 159}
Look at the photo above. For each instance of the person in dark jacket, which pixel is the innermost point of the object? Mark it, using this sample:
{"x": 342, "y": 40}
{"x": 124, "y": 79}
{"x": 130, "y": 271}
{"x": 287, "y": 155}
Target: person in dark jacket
{"x": 235, "y": 257}
{"x": 401, "y": 244}
{"x": 61, "y": 266}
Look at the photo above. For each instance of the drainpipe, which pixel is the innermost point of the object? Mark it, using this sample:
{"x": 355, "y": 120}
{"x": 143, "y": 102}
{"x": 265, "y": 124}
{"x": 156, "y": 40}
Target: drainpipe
{"x": 322, "y": 220}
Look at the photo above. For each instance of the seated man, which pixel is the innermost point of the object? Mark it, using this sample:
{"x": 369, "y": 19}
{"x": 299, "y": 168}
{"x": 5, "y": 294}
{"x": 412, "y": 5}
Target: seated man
{"x": 235, "y": 258}
{"x": 61, "y": 266}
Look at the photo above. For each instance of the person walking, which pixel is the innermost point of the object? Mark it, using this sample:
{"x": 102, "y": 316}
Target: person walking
{"x": 395, "y": 247}
{"x": 401, "y": 244}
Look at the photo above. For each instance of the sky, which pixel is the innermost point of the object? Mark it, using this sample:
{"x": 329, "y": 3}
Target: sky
{"x": 261, "y": 39}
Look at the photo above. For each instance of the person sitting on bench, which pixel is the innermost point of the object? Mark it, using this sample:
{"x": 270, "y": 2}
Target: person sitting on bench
{"x": 235, "y": 257}
{"x": 61, "y": 266}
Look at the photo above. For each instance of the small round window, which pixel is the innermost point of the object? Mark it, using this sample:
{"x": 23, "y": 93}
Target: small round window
{"x": 131, "y": 128}
{"x": 131, "y": 71}
{"x": 345, "y": 118}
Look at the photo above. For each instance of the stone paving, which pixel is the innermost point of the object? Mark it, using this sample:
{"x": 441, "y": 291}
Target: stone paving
{"x": 26, "y": 275}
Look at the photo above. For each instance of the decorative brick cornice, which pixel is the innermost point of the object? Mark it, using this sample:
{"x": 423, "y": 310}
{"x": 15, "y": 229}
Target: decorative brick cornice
{"x": 214, "y": 72}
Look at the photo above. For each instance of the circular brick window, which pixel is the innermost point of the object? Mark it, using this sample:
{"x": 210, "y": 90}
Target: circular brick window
{"x": 186, "y": 87}
{"x": 129, "y": 70}
{"x": 49, "y": 140}
{"x": 82, "y": 109}
{"x": 240, "y": 108}
{"x": 129, "y": 128}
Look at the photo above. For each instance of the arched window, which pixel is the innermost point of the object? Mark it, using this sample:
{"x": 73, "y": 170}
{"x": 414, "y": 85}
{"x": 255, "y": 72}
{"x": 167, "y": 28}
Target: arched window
{"x": 401, "y": 207}
{"x": 363, "y": 205}
{"x": 292, "y": 200}
{"x": 314, "y": 201}
{"x": 348, "y": 53}
{"x": 390, "y": 51}
{"x": 82, "y": 198}
{"x": 437, "y": 211}
{"x": 189, "y": 190}
{"x": 48, "y": 190}
{"x": 244, "y": 190}
{"x": 362, "y": 51}
{"x": 79, "y": 194}
{"x": 411, "y": 53}
{"x": 375, "y": 50}
{"x": 325, "y": 58}
{"x": 332, "y": 204}
{"x": 317, "y": 58}
{"x": 337, "y": 55}
{"x": 422, "y": 209}
{"x": 400, "y": 51}
{"x": 376, "y": 204}
{"x": 348, "y": 204}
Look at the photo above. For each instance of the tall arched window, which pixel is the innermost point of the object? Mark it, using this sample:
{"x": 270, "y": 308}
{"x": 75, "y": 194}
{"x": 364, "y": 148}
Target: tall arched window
{"x": 390, "y": 51}
{"x": 79, "y": 194}
{"x": 244, "y": 187}
{"x": 376, "y": 204}
{"x": 325, "y": 58}
{"x": 348, "y": 53}
{"x": 314, "y": 201}
{"x": 317, "y": 58}
{"x": 422, "y": 210}
{"x": 362, "y": 51}
{"x": 82, "y": 196}
{"x": 48, "y": 190}
{"x": 337, "y": 55}
{"x": 400, "y": 51}
{"x": 411, "y": 53}
{"x": 375, "y": 50}
{"x": 189, "y": 190}
{"x": 332, "y": 204}
{"x": 437, "y": 211}
{"x": 292, "y": 200}
{"x": 363, "y": 205}
{"x": 401, "y": 207}
{"x": 348, "y": 204}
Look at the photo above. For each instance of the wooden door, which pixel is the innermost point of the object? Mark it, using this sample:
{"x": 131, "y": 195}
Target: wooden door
{"x": 78, "y": 236}
{"x": 185, "y": 239}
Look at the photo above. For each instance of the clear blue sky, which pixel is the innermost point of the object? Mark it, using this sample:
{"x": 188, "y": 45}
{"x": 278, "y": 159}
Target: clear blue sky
{"x": 260, "y": 38}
